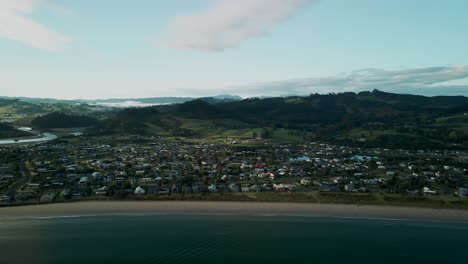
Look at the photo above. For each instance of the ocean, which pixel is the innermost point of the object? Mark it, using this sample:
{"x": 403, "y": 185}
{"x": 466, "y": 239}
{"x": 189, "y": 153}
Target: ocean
{"x": 229, "y": 239}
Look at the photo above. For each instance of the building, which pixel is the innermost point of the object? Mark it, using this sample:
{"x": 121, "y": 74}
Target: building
{"x": 84, "y": 181}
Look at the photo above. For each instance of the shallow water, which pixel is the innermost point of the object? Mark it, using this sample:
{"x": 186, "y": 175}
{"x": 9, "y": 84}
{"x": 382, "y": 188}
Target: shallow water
{"x": 228, "y": 239}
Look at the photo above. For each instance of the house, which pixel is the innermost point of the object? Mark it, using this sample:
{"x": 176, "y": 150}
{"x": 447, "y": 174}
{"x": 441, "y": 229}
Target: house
{"x": 259, "y": 170}
{"x": 279, "y": 187}
{"x": 372, "y": 185}
{"x": 233, "y": 187}
{"x": 245, "y": 188}
{"x": 164, "y": 191}
{"x": 427, "y": 191}
{"x": 33, "y": 186}
{"x": 197, "y": 188}
{"x": 328, "y": 188}
{"x": 463, "y": 192}
{"x": 305, "y": 182}
{"x": 119, "y": 179}
{"x": 65, "y": 193}
{"x": 428, "y": 173}
{"x": 291, "y": 187}
{"x": 255, "y": 188}
{"x": 267, "y": 187}
{"x": 212, "y": 188}
{"x": 6, "y": 198}
{"x": 282, "y": 187}
{"x": 234, "y": 165}
{"x": 414, "y": 192}
{"x": 139, "y": 173}
{"x": 48, "y": 197}
{"x": 6, "y": 178}
{"x": 176, "y": 188}
{"x": 139, "y": 191}
{"x": 97, "y": 175}
{"x": 83, "y": 182}
{"x": 101, "y": 191}
{"x": 350, "y": 187}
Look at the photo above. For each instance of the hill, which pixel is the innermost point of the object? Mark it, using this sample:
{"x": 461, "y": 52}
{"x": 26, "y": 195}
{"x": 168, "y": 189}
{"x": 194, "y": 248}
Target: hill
{"x": 7, "y": 131}
{"x": 61, "y": 120}
{"x": 367, "y": 119}
{"x": 18, "y": 109}
{"x": 121, "y": 102}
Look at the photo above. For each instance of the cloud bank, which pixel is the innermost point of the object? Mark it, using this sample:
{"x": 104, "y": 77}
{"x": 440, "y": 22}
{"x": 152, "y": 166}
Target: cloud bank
{"x": 227, "y": 23}
{"x": 426, "y": 81}
{"x": 16, "y": 25}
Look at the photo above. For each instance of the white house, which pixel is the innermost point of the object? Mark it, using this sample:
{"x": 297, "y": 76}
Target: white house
{"x": 139, "y": 191}
{"x": 428, "y": 191}
{"x": 305, "y": 182}
{"x": 350, "y": 187}
{"x": 212, "y": 188}
{"x": 83, "y": 182}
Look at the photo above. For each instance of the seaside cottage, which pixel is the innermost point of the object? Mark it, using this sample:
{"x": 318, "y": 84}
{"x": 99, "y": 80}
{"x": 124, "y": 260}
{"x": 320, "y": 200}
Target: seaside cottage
{"x": 83, "y": 182}
{"x": 101, "y": 191}
{"x": 139, "y": 191}
{"x": 212, "y": 188}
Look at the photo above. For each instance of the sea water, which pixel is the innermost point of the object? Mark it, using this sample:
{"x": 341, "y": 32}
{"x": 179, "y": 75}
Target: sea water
{"x": 229, "y": 239}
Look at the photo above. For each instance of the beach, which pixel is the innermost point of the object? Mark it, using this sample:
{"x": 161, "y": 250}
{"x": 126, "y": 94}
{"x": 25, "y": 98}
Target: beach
{"x": 93, "y": 208}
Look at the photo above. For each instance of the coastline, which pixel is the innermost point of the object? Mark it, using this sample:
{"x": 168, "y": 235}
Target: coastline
{"x": 98, "y": 208}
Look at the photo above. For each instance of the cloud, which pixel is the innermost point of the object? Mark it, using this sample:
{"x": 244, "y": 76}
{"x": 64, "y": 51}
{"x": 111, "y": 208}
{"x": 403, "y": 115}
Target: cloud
{"x": 425, "y": 81}
{"x": 228, "y": 23}
{"x": 16, "y": 25}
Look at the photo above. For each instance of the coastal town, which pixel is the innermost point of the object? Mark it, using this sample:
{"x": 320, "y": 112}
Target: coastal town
{"x": 53, "y": 172}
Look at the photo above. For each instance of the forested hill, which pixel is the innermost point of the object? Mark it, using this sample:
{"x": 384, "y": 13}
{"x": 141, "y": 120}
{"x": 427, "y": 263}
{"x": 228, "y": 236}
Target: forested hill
{"x": 342, "y": 108}
{"x": 373, "y": 118}
{"x": 17, "y": 109}
{"x": 7, "y": 131}
{"x": 61, "y": 120}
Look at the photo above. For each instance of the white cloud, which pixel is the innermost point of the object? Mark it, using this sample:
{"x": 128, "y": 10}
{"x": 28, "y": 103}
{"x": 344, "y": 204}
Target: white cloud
{"x": 227, "y": 23}
{"x": 16, "y": 25}
{"x": 450, "y": 80}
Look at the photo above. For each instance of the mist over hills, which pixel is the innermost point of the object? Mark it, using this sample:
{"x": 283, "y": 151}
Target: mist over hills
{"x": 126, "y": 102}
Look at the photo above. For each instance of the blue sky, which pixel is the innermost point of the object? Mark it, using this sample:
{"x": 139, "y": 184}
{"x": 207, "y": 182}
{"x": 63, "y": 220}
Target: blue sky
{"x": 147, "y": 48}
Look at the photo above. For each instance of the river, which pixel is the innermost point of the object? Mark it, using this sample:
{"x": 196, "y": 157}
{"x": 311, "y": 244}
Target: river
{"x": 44, "y": 137}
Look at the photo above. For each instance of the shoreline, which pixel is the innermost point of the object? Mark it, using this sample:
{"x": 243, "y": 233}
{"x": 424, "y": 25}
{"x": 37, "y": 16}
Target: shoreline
{"x": 102, "y": 208}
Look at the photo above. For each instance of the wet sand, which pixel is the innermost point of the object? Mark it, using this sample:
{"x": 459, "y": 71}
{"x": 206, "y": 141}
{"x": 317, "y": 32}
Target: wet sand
{"x": 235, "y": 208}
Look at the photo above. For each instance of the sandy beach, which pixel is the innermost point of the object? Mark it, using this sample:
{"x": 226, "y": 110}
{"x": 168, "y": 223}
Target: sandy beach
{"x": 235, "y": 208}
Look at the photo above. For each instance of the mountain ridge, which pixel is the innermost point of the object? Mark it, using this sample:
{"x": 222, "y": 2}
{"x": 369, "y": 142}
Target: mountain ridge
{"x": 143, "y": 100}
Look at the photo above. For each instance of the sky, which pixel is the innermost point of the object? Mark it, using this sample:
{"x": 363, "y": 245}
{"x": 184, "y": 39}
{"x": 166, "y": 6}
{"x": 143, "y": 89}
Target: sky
{"x": 88, "y": 49}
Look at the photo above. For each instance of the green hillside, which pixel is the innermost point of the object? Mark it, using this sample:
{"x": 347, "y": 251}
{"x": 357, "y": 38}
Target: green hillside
{"x": 17, "y": 109}
{"x": 366, "y": 119}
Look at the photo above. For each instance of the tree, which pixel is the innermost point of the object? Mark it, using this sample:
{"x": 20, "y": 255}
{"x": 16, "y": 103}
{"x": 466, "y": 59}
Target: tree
{"x": 393, "y": 182}
{"x": 266, "y": 133}
{"x": 453, "y": 136}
